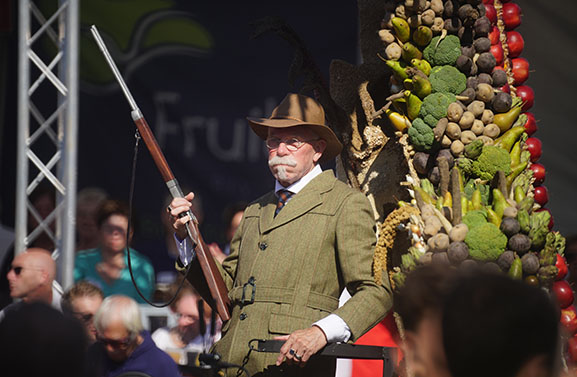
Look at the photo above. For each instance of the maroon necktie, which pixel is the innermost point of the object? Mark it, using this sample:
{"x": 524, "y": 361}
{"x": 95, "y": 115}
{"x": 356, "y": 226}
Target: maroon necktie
{"x": 283, "y": 197}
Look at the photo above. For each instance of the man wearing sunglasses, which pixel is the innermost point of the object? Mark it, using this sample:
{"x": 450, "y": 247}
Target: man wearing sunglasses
{"x": 123, "y": 345}
{"x": 295, "y": 251}
{"x": 30, "y": 279}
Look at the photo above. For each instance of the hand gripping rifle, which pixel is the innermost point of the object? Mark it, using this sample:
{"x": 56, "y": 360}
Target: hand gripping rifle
{"x": 212, "y": 278}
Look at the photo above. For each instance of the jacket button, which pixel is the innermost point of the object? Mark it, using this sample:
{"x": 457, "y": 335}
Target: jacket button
{"x": 262, "y": 246}
{"x": 242, "y": 316}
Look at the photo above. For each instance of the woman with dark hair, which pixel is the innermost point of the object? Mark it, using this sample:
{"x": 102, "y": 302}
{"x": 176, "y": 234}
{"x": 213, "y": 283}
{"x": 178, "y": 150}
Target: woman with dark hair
{"x": 107, "y": 265}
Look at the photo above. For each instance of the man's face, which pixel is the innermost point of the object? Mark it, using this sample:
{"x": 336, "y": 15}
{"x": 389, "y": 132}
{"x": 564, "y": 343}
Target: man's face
{"x": 113, "y": 233}
{"x": 25, "y": 276}
{"x": 188, "y": 316}
{"x": 425, "y": 352}
{"x": 117, "y": 341}
{"x": 84, "y": 308}
{"x": 290, "y": 166}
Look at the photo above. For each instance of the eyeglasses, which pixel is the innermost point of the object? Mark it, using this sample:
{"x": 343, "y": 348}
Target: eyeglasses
{"x": 292, "y": 144}
{"x": 18, "y": 269}
{"x": 115, "y": 343}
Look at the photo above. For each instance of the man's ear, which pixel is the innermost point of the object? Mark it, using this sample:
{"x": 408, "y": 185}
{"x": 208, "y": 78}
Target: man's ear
{"x": 535, "y": 367}
{"x": 319, "y": 147}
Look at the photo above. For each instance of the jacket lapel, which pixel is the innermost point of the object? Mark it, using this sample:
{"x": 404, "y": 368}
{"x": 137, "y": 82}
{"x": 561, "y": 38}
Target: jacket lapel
{"x": 307, "y": 199}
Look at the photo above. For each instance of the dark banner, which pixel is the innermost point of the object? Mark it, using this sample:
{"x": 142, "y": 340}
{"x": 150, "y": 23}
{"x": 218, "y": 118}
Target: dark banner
{"x": 196, "y": 73}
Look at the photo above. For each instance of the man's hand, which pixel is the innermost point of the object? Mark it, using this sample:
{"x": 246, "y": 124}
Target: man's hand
{"x": 301, "y": 345}
{"x": 176, "y": 207}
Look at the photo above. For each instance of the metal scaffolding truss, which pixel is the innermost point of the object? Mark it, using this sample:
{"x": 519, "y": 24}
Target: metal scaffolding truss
{"x": 47, "y": 127}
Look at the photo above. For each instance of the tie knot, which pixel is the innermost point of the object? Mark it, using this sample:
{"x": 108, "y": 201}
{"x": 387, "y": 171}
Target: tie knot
{"x": 283, "y": 197}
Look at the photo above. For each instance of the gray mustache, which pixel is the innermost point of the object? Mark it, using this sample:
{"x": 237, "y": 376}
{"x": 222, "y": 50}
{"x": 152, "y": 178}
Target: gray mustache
{"x": 284, "y": 160}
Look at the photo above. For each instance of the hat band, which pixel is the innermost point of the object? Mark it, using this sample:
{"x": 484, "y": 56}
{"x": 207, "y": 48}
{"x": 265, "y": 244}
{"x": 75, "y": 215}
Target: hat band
{"x": 291, "y": 118}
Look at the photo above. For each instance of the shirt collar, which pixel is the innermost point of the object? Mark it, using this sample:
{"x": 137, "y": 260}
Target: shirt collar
{"x": 301, "y": 183}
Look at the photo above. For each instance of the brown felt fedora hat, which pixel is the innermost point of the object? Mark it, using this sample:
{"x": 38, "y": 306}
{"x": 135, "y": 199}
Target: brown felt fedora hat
{"x": 299, "y": 110}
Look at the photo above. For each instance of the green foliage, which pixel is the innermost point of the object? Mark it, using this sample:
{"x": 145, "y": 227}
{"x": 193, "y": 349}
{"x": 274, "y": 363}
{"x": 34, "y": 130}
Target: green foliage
{"x": 491, "y": 160}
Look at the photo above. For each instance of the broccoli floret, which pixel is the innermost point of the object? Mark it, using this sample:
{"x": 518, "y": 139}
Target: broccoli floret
{"x": 434, "y": 107}
{"x": 447, "y": 79}
{"x": 491, "y": 160}
{"x": 475, "y": 218}
{"x": 446, "y": 53}
{"x": 421, "y": 135}
{"x": 486, "y": 242}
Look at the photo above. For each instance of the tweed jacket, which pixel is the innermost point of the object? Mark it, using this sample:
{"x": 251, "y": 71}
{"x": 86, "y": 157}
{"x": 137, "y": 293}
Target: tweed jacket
{"x": 286, "y": 272}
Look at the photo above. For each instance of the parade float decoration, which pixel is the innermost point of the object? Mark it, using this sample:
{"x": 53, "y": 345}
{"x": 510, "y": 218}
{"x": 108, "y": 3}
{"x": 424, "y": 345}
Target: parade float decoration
{"x": 460, "y": 109}
{"x": 438, "y": 133}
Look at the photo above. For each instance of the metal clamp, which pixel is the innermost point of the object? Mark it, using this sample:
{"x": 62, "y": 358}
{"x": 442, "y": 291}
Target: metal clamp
{"x": 243, "y": 300}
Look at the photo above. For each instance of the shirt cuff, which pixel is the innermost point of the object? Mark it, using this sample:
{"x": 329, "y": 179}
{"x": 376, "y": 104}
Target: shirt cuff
{"x": 335, "y": 329}
{"x": 185, "y": 251}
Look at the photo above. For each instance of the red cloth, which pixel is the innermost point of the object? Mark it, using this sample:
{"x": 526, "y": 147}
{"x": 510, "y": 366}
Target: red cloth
{"x": 384, "y": 334}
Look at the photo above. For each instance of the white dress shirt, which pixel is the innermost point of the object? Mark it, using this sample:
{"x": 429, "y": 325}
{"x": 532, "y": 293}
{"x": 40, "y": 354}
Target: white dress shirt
{"x": 334, "y": 327}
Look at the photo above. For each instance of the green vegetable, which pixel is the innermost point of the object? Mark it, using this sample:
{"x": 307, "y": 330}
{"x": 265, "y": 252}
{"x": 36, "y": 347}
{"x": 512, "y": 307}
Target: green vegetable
{"x": 428, "y": 187}
{"x": 473, "y": 186}
{"x": 516, "y": 270}
{"x": 547, "y": 275}
{"x": 421, "y": 136}
{"x": 475, "y": 218}
{"x": 444, "y": 52}
{"x": 524, "y": 220}
{"x": 486, "y": 242}
{"x": 555, "y": 243}
{"x": 447, "y": 79}
{"x": 408, "y": 262}
{"x": 434, "y": 107}
{"x": 474, "y": 149}
{"x": 491, "y": 160}
{"x": 539, "y": 222}
{"x": 509, "y": 138}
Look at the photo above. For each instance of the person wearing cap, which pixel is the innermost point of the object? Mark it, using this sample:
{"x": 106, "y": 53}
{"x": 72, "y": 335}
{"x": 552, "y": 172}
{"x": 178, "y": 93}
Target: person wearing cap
{"x": 294, "y": 252}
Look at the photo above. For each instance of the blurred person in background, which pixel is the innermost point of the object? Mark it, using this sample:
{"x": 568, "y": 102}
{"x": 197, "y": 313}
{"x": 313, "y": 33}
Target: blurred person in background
{"x": 88, "y": 201}
{"x": 500, "y": 327}
{"x": 82, "y": 301}
{"x": 123, "y": 345}
{"x": 30, "y": 278}
{"x": 419, "y": 303}
{"x": 107, "y": 265}
{"x": 193, "y": 330}
{"x": 38, "y": 340}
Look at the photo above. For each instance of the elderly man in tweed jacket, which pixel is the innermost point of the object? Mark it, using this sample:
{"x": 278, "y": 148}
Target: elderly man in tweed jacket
{"x": 294, "y": 252}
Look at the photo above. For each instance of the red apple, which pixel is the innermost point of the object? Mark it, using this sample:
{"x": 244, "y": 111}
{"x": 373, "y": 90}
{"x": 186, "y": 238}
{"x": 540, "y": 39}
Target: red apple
{"x": 569, "y": 319}
{"x": 488, "y": 1}
{"x": 505, "y": 88}
{"x": 527, "y": 95}
{"x": 520, "y": 67}
{"x": 530, "y": 125}
{"x": 562, "y": 268}
{"x": 491, "y": 13}
{"x": 541, "y": 195}
{"x": 538, "y": 173}
{"x": 516, "y": 43}
{"x": 563, "y": 293}
{"x": 511, "y": 15}
{"x": 497, "y": 52}
{"x": 494, "y": 36}
{"x": 535, "y": 148}
{"x": 551, "y": 221}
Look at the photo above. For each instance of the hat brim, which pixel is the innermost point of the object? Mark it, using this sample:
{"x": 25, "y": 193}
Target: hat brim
{"x": 333, "y": 149}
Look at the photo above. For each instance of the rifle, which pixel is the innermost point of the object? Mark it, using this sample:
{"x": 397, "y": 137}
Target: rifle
{"x": 219, "y": 300}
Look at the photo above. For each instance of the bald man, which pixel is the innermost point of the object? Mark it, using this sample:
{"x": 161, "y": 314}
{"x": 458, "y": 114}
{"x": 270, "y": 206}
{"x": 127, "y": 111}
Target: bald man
{"x": 30, "y": 277}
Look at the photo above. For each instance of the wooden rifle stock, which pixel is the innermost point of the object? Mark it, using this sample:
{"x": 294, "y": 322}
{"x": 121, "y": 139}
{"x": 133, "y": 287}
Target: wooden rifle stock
{"x": 212, "y": 282}
{"x": 216, "y": 286}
